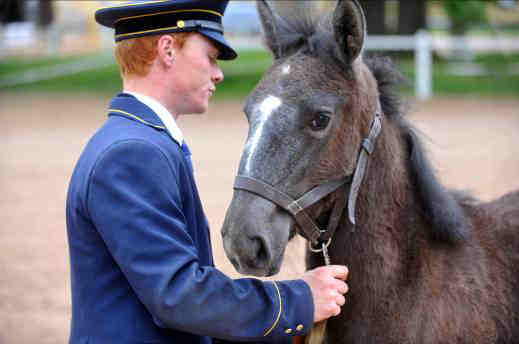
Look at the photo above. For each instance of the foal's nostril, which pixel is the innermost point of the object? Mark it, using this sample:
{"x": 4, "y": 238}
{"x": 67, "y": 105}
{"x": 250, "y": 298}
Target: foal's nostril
{"x": 259, "y": 254}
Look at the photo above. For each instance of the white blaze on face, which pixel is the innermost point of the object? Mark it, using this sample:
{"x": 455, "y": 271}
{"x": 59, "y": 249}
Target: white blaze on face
{"x": 266, "y": 108}
{"x": 286, "y": 69}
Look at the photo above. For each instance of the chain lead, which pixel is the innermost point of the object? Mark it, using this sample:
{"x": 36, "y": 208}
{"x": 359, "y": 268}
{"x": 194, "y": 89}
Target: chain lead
{"x": 325, "y": 254}
{"x": 323, "y": 249}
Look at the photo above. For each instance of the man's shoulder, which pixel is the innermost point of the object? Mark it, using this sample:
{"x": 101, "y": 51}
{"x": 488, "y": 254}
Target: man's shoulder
{"x": 121, "y": 149}
{"x": 121, "y": 138}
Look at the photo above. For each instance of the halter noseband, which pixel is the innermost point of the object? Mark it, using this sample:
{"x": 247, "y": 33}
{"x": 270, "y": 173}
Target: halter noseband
{"x": 296, "y": 207}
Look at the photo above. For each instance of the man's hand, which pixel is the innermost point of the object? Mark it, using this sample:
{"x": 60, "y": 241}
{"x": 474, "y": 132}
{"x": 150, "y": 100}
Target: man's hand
{"x": 328, "y": 289}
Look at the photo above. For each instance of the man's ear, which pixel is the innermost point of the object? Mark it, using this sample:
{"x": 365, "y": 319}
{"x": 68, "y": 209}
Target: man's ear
{"x": 166, "y": 50}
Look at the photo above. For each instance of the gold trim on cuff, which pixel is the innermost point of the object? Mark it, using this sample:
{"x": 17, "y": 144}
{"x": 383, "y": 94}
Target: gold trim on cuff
{"x": 279, "y": 314}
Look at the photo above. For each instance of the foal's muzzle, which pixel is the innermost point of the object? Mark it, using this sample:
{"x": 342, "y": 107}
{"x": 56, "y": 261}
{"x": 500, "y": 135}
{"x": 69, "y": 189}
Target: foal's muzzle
{"x": 255, "y": 233}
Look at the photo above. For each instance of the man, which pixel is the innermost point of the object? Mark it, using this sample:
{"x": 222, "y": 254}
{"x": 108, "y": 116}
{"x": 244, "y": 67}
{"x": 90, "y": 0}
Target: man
{"x": 141, "y": 263}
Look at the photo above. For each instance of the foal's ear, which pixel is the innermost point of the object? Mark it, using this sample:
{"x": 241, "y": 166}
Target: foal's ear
{"x": 270, "y": 22}
{"x": 349, "y": 28}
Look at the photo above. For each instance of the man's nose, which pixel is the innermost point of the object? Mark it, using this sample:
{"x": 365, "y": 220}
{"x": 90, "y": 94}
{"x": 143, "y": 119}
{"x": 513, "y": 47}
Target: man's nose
{"x": 218, "y": 75}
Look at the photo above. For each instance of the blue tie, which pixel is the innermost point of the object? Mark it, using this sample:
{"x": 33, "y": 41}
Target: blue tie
{"x": 187, "y": 155}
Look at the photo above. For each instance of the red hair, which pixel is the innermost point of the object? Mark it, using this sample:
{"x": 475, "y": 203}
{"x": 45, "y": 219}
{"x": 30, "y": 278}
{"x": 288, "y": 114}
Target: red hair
{"x": 135, "y": 56}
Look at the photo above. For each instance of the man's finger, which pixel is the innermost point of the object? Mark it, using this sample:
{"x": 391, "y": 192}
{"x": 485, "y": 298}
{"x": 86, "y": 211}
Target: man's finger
{"x": 341, "y": 287}
{"x": 339, "y": 271}
{"x": 340, "y": 300}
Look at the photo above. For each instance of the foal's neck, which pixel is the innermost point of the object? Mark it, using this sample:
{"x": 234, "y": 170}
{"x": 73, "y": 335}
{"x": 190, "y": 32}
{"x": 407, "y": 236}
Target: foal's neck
{"x": 384, "y": 217}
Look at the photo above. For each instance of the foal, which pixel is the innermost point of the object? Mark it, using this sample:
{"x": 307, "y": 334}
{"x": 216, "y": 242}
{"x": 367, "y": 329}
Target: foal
{"x": 427, "y": 265}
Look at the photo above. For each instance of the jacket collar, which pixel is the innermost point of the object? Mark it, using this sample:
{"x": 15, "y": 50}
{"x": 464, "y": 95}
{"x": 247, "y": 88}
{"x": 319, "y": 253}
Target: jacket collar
{"x": 162, "y": 113}
{"x": 128, "y": 106}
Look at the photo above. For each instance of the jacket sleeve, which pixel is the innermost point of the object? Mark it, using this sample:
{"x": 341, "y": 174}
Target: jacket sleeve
{"x": 134, "y": 201}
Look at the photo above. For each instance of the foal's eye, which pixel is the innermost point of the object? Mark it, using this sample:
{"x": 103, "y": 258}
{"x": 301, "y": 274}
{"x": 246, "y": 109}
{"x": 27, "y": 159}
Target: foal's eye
{"x": 320, "y": 121}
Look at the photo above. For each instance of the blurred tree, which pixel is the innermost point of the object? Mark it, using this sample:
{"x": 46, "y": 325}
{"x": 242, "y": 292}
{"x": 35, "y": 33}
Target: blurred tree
{"x": 11, "y": 11}
{"x": 411, "y": 16}
{"x": 45, "y": 13}
{"x": 375, "y": 11}
{"x": 464, "y": 14}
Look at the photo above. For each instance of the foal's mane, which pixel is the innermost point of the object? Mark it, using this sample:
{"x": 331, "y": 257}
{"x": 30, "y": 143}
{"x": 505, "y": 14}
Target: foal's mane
{"x": 315, "y": 37}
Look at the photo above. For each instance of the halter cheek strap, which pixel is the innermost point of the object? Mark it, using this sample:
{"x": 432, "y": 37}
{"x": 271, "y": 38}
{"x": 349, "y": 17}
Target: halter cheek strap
{"x": 367, "y": 148}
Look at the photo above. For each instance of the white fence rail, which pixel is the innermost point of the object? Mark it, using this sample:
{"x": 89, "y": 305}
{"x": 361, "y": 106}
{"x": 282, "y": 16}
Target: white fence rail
{"x": 423, "y": 44}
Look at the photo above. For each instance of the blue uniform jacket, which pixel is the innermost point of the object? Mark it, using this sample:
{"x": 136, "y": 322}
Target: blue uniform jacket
{"x": 140, "y": 253}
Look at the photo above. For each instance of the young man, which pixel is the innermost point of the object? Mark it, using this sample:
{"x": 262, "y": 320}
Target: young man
{"x": 141, "y": 261}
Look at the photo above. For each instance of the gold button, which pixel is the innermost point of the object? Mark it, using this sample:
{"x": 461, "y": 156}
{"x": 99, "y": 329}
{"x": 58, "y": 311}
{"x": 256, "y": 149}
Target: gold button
{"x": 288, "y": 331}
{"x": 180, "y": 24}
{"x": 300, "y": 327}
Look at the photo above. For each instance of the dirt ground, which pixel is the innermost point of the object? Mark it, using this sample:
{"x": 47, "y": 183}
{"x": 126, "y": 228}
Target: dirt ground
{"x": 474, "y": 144}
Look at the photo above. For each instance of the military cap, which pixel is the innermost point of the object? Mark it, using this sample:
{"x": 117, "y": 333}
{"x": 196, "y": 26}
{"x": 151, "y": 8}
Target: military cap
{"x": 142, "y": 18}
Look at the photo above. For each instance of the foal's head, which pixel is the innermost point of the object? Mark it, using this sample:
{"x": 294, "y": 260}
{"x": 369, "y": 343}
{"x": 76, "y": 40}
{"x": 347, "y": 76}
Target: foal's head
{"x": 307, "y": 118}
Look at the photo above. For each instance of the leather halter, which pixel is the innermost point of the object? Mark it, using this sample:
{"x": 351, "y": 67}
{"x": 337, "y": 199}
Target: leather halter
{"x": 296, "y": 207}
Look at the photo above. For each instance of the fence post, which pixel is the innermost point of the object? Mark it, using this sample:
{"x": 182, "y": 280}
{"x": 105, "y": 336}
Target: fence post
{"x": 423, "y": 61}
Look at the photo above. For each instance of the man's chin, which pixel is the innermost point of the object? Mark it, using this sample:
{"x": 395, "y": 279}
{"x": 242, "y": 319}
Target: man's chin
{"x": 197, "y": 110}
{"x": 202, "y": 107}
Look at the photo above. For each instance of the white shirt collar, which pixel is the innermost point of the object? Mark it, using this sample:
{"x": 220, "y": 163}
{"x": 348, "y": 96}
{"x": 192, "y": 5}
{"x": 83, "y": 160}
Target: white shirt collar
{"x": 165, "y": 116}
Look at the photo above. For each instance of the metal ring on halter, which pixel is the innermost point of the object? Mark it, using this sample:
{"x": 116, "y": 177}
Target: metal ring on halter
{"x": 317, "y": 250}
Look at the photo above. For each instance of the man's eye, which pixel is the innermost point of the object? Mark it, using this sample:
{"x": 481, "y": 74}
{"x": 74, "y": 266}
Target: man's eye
{"x": 320, "y": 122}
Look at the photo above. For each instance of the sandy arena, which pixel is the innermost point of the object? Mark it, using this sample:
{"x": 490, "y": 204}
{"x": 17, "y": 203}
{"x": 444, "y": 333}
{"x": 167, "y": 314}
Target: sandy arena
{"x": 474, "y": 145}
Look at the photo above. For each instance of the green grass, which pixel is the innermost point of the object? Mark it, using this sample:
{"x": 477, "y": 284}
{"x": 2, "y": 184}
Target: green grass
{"x": 242, "y": 74}
{"x": 12, "y": 65}
{"x": 478, "y": 85}
{"x": 99, "y": 80}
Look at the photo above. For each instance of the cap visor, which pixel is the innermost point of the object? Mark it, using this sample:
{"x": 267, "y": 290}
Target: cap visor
{"x": 226, "y": 52}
